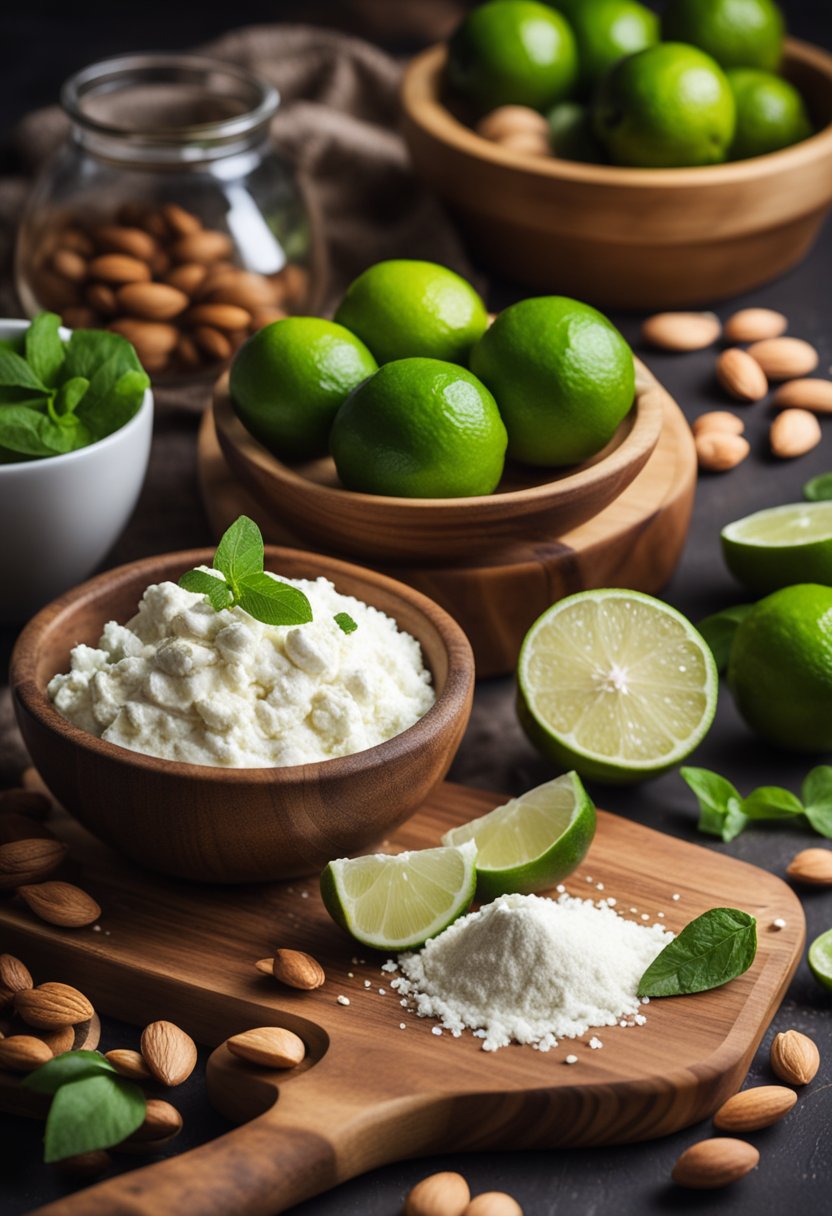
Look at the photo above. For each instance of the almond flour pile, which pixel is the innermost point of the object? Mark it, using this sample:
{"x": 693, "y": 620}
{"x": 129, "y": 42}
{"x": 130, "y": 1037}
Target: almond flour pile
{"x": 528, "y": 969}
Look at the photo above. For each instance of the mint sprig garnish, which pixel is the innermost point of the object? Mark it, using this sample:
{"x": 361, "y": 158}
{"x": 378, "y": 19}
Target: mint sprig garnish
{"x": 725, "y": 813}
{"x": 714, "y": 948}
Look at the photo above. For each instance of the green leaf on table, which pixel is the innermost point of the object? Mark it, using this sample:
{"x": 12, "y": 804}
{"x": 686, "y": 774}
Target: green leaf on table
{"x": 95, "y": 1112}
{"x": 817, "y": 799}
{"x": 819, "y": 489}
{"x": 772, "y": 802}
{"x": 15, "y": 372}
{"x": 273, "y": 602}
{"x": 70, "y": 394}
{"x": 203, "y": 583}
{"x": 345, "y": 622}
{"x": 240, "y": 551}
{"x": 718, "y": 631}
{"x": 70, "y": 1066}
{"x": 45, "y": 350}
{"x": 713, "y": 949}
{"x": 734, "y": 821}
{"x": 719, "y": 801}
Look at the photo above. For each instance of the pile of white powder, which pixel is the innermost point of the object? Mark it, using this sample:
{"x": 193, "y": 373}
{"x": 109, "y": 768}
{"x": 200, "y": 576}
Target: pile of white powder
{"x": 185, "y": 682}
{"x": 528, "y": 969}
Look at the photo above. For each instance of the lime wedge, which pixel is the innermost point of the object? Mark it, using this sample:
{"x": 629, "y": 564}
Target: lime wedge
{"x": 533, "y": 841}
{"x": 781, "y": 546}
{"x": 615, "y": 684}
{"x": 397, "y": 902}
{"x": 820, "y": 959}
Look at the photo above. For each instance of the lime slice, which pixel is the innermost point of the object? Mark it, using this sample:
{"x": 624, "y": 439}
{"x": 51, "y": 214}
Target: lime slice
{"x": 533, "y": 841}
{"x": 820, "y": 959}
{"x": 781, "y": 546}
{"x": 616, "y": 685}
{"x": 398, "y": 902}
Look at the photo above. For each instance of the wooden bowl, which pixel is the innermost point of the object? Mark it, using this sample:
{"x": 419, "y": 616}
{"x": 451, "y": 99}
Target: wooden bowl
{"x": 627, "y": 238}
{"x": 248, "y": 824}
{"x": 314, "y": 504}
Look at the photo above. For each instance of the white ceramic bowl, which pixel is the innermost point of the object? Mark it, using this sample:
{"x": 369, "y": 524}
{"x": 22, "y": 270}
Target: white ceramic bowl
{"x": 60, "y": 515}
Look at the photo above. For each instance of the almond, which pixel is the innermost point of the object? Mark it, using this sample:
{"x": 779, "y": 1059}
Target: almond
{"x": 718, "y": 451}
{"x": 291, "y": 283}
{"x": 755, "y": 324}
{"x": 168, "y": 1052}
{"x": 794, "y": 433}
{"x": 266, "y": 316}
{"x": 86, "y": 1165}
{"x": 298, "y": 970}
{"x": 510, "y": 120}
{"x": 718, "y": 420}
{"x": 119, "y": 268}
{"x": 60, "y": 903}
{"x": 129, "y": 1064}
{"x": 161, "y": 1123}
{"x": 102, "y": 298}
{"x": 113, "y": 238}
{"x": 268, "y": 1047}
{"x": 179, "y": 221}
{"x": 265, "y": 966}
{"x": 14, "y": 975}
{"x": 23, "y": 1053}
{"x": 445, "y": 1194}
{"x": 741, "y": 376}
{"x": 242, "y": 288}
{"x": 784, "y": 358}
{"x": 25, "y": 801}
{"x": 25, "y": 861}
{"x": 187, "y": 352}
{"x": 812, "y": 867}
{"x": 215, "y": 344}
{"x": 22, "y": 827}
{"x": 52, "y": 1005}
{"x": 815, "y": 395}
{"x": 205, "y": 245}
{"x": 69, "y": 265}
{"x": 60, "y": 1040}
{"x": 152, "y": 301}
{"x": 74, "y": 238}
{"x": 681, "y": 331}
{"x": 150, "y": 338}
{"x": 795, "y": 1058}
{"x": 754, "y": 1108}
{"x": 219, "y": 316}
{"x": 493, "y": 1203}
{"x": 714, "y": 1163}
{"x": 188, "y": 278}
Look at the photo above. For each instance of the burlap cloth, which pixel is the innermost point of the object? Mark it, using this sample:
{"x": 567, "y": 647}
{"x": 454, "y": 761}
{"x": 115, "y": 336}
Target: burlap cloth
{"x": 338, "y": 123}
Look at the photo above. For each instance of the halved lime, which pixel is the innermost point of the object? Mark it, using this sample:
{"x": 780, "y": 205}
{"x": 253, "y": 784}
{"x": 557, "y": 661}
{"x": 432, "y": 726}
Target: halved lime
{"x": 396, "y": 902}
{"x": 781, "y": 546}
{"x": 820, "y": 959}
{"x": 533, "y": 841}
{"x": 615, "y": 684}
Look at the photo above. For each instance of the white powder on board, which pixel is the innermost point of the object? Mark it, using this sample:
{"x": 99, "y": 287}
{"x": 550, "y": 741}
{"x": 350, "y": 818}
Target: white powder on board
{"x": 528, "y": 969}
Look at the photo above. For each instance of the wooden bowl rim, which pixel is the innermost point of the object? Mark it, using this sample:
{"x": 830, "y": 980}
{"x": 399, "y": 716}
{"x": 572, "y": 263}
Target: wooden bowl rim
{"x": 647, "y": 410}
{"x": 444, "y": 712}
{"x": 422, "y": 106}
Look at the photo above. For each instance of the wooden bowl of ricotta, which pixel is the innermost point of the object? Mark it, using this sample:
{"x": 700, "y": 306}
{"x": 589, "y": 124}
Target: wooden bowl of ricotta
{"x": 228, "y": 825}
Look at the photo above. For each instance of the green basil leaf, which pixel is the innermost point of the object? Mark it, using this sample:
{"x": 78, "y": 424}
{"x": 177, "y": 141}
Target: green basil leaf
{"x": 713, "y": 793}
{"x": 70, "y": 1066}
{"x": 817, "y": 799}
{"x": 772, "y": 802}
{"x": 733, "y": 823}
{"x": 202, "y": 583}
{"x": 25, "y": 430}
{"x": 70, "y": 394}
{"x": 718, "y": 631}
{"x": 345, "y": 622}
{"x": 273, "y": 602}
{"x": 819, "y": 489}
{"x": 91, "y": 1113}
{"x": 16, "y": 372}
{"x": 45, "y": 351}
{"x": 713, "y": 949}
{"x": 240, "y": 551}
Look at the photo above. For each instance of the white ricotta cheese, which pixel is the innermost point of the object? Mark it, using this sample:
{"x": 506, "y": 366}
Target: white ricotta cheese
{"x": 184, "y": 682}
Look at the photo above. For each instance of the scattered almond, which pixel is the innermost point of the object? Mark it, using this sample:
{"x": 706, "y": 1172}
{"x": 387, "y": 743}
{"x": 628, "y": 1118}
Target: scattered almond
{"x": 741, "y": 376}
{"x": 161, "y": 1123}
{"x": 265, "y": 966}
{"x": 794, "y": 1057}
{"x": 714, "y": 1163}
{"x": 298, "y": 970}
{"x": 61, "y": 903}
{"x": 14, "y": 975}
{"x": 23, "y": 1053}
{"x": 445, "y": 1194}
{"x": 718, "y": 420}
{"x": 681, "y": 331}
{"x": 794, "y": 433}
{"x": 32, "y": 802}
{"x": 815, "y": 395}
{"x": 86, "y": 1165}
{"x": 60, "y": 1040}
{"x": 755, "y": 324}
{"x": 493, "y": 1203}
{"x": 22, "y": 827}
{"x": 718, "y": 451}
{"x": 52, "y": 1005}
{"x": 754, "y": 1108}
{"x": 784, "y": 358}
{"x": 129, "y": 1064}
{"x": 25, "y": 861}
{"x": 168, "y": 1052}
{"x": 812, "y": 867}
{"x": 268, "y": 1047}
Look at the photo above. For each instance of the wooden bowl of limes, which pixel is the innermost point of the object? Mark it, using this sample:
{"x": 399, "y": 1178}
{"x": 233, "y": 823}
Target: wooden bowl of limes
{"x": 620, "y": 237}
{"x": 528, "y": 503}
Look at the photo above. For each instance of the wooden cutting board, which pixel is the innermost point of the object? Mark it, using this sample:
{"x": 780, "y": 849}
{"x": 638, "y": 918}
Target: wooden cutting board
{"x": 371, "y": 1092}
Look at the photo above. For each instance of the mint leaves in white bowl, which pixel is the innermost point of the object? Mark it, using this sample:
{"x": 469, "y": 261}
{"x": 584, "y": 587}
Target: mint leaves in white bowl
{"x": 76, "y": 417}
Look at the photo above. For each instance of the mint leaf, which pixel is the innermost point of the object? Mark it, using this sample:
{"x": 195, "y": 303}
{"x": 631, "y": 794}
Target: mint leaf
{"x": 240, "y": 551}
{"x": 733, "y": 823}
{"x": 91, "y": 1113}
{"x": 70, "y": 1066}
{"x": 718, "y": 631}
{"x": 345, "y": 622}
{"x": 819, "y": 489}
{"x": 817, "y": 799}
{"x": 25, "y": 430}
{"x": 714, "y": 795}
{"x": 70, "y": 394}
{"x": 771, "y": 802}
{"x": 713, "y": 949}
{"x": 16, "y": 372}
{"x": 45, "y": 351}
{"x": 202, "y": 583}
{"x": 273, "y": 602}
{"x": 113, "y": 397}
{"x": 89, "y": 349}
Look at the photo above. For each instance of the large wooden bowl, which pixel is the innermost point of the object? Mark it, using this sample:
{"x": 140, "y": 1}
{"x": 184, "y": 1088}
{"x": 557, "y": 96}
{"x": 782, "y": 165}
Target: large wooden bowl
{"x": 627, "y": 238}
{"x": 237, "y": 825}
{"x": 528, "y": 503}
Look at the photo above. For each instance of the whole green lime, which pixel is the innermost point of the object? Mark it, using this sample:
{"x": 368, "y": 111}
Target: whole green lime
{"x": 402, "y": 309}
{"x": 420, "y": 428}
{"x": 737, "y": 33}
{"x": 770, "y": 113}
{"x": 289, "y": 380}
{"x": 664, "y": 108}
{"x": 513, "y": 52}
{"x": 571, "y": 133}
{"x": 563, "y": 377}
{"x": 780, "y": 668}
{"x": 606, "y": 31}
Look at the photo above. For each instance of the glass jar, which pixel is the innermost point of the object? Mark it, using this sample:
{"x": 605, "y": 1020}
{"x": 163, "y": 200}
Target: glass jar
{"x": 167, "y": 215}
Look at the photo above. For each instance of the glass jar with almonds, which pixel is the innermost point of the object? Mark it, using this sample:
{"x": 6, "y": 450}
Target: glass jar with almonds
{"x": 167, "y": 215}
